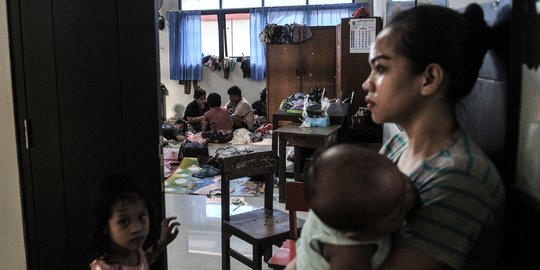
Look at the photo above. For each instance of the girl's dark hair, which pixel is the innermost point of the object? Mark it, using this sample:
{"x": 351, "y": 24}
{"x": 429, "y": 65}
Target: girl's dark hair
{"x": 199, "y": 92}
{"x": 430, "y": 34}
{"x": 213, "y": 100}
{"x": 109, "y": 191}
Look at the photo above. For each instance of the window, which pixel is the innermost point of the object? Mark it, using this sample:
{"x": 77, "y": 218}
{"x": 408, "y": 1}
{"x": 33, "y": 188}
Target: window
{"x": 237, "y": 30}
{"x": 237, "y": 25}
{"x": 209, "y": 35}
{"x": 229, "y": 4}
{"x": 233, "y": 29}
{"x": 277, "y": 3}
{"x": 237, "y": 34}
{"x": 200, "y": 4}
{"x": 241, "y": 3}
{"x": 322, "y": 2}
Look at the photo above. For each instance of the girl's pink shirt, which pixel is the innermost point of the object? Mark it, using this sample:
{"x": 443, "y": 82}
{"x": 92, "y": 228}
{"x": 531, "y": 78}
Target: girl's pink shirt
{"x": 100, "y": 264}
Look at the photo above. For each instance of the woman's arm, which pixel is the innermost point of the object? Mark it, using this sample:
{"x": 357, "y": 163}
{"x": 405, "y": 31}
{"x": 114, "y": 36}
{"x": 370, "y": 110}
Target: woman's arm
{"x": 194, "y": 119}
{"x": 348, "y": 257}
{"x": 403, "y": 258}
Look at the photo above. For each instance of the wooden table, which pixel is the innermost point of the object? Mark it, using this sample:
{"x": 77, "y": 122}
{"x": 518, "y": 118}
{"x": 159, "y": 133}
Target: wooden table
{"x": 300, "y": 137}
{"x": 282, "y": 115}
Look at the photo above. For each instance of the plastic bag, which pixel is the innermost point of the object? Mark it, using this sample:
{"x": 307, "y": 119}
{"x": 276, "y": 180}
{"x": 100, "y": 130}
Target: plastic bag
{"x": 315, "y": 106}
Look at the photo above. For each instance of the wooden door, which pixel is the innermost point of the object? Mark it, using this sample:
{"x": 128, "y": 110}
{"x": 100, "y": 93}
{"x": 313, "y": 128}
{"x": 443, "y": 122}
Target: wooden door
{"x": 86, "y": 84}
{"x": 283, "y": 71}
{"x": 318, "y": 60}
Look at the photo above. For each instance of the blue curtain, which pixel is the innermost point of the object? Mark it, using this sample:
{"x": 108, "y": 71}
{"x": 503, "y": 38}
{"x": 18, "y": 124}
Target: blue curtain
{"x": 185, "y": 48}
{"x": 258, "y": 20}
{"x": 330, "y": 16}
{"x": 327, "y": 15}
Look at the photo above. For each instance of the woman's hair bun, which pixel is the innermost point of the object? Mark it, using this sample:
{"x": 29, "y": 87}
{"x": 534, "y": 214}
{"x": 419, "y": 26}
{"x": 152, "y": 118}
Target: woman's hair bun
{"x": 474, "y": 15}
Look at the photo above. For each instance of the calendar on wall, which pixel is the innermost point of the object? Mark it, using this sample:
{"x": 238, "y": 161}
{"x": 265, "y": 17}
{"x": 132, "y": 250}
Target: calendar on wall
{"x": 363, "y": 32}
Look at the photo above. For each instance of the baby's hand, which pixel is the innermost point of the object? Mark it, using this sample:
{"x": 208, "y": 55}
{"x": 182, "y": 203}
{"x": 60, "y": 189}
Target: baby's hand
{"x": 169, "y": 231}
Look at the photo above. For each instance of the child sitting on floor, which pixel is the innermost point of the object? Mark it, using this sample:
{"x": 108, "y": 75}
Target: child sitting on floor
{"x": 357, "y": 199}
{"x": 217, "y": 123}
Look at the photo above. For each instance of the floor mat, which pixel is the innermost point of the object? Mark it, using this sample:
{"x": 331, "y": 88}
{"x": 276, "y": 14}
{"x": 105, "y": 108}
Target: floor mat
{"x": 182, "y": 182}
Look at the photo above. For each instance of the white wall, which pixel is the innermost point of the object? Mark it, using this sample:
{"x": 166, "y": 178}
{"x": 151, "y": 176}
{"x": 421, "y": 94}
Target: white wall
{"x": 12, "y": 252}
{"x": 379, "y": 6}
{"x": 213, "y": 81}
{"x": 528, "y": 163}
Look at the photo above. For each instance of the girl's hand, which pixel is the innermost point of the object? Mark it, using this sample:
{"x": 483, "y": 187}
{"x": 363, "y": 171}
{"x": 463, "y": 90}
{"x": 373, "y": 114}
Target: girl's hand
{"x": 169, "y": 231}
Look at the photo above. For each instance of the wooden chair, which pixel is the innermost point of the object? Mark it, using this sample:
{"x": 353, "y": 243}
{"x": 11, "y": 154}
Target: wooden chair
{"x": 294, "y": 202}
{"x": 261, "y": 228}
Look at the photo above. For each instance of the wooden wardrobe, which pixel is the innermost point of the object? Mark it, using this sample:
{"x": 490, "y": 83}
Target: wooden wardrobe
{"x": 324, "y": 61}
{"x": 301, "y": 66}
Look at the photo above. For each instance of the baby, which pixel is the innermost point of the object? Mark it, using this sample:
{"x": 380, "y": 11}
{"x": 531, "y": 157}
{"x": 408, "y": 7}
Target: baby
{"x": 357, "y": 199}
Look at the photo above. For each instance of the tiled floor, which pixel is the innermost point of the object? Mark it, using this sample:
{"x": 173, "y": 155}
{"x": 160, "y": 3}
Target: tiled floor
{"x": 198, "y": 245}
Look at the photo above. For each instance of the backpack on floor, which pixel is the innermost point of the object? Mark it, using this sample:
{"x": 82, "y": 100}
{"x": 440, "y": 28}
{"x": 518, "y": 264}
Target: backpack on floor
{"x": 192, "y": 149}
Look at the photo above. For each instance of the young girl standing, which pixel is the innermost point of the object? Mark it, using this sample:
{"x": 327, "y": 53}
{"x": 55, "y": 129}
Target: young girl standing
{"x": 124, "y": 217}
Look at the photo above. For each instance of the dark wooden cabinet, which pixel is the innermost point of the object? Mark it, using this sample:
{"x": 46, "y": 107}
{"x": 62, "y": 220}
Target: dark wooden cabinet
{"x": 352, "y": 69}
{"x": 300, "y": 67}
{"x": 86, "y": 86}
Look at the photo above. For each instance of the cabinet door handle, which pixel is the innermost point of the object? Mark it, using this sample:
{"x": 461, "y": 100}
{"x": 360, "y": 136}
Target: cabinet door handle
{"x": 27, "y": 133}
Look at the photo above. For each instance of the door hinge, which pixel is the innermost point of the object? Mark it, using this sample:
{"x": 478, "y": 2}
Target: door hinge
{"x": 27, "y": 133}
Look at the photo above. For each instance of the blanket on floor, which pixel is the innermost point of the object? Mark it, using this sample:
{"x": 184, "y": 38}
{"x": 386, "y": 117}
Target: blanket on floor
{"x": 182, "y": 181}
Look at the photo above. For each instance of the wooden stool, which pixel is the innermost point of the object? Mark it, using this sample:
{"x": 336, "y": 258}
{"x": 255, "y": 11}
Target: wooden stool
{"x": 261, "y": 228}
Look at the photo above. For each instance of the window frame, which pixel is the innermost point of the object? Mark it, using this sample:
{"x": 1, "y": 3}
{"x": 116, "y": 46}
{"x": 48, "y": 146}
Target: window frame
{"x": 262, "y": 5}
{"x": 221, "y": 18}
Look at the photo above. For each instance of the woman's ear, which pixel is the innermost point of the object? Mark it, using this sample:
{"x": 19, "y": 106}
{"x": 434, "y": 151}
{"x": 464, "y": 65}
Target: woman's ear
{"x": 433, "y": 79}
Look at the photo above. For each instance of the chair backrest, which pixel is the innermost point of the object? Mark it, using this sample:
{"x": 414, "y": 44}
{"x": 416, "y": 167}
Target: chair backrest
{"x": 295, "y": 201}
{"x": 254, "y": 164}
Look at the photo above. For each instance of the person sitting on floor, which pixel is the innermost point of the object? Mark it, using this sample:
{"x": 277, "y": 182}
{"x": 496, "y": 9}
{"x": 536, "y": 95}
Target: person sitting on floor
{"x": 240, "y": 110}
{"x": 259, "y": 106}
{"x": 196, "y": 109}
{"x": 259, "y": 110}
{"x": 357, "y": 198}
{"x": 217, "y": 123}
